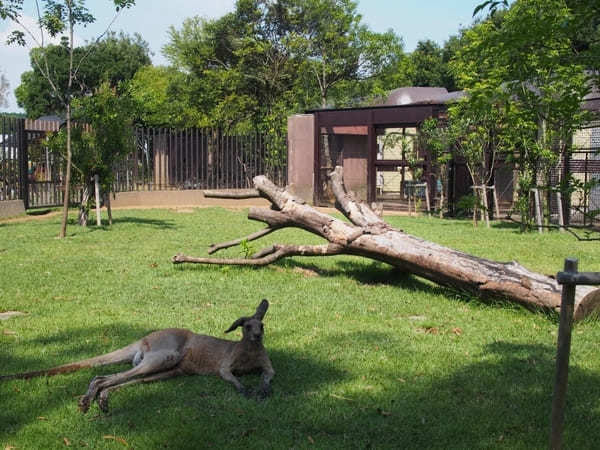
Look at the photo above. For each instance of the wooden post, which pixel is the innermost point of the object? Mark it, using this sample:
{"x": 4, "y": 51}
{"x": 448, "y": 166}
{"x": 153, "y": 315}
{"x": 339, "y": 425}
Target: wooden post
{"x": 562, "y": 356}
{"x": 486, "y": 211}
{"x": 561, "y": 219}
{"x": 493, "y": 188}
{"x": 538, "y": 208}
{"x": 427, "y": 199}
{"x": 570, "y": 278}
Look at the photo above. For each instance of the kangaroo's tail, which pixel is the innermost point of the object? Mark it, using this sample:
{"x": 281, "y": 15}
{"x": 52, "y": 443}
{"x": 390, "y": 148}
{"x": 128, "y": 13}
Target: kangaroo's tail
{"x": 123, "y": 355}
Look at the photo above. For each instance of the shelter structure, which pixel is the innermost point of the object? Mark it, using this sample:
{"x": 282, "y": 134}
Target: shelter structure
{"x": 378, "y": 147}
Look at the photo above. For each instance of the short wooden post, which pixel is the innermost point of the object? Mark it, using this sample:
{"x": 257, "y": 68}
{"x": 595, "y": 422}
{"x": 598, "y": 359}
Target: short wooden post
{"x": 493, "y": 188}
{"x": 561, "y": 219}
{"x": 569, "y": 279}
{"x": 538, "y": 208}
{"x": 562, "y": 355}
{"x": 427, "y": 199}
{"x": 486, "y": 211}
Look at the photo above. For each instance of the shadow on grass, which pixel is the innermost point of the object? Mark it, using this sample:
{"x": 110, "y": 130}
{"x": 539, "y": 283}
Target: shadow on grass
{"x": 500, "y": 397}
{"x": 154, "y": 223}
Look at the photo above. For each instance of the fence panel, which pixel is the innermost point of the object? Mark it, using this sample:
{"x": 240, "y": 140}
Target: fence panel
{"x": 13, "y": 177}
{"x": 194, "y": 158}
{"x": 45, "y": 173}
{"x": 581, "y": 205}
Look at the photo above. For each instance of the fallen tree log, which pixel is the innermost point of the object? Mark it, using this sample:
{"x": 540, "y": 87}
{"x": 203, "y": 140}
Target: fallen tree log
{"x": 235, "y": 193}
{"x": 369, "y": 236}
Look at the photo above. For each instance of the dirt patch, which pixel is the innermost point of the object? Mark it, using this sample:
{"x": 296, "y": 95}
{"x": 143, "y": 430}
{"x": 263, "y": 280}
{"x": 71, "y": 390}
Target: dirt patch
{"x": 9, "y": 314}
{"x": 31, "y": 217}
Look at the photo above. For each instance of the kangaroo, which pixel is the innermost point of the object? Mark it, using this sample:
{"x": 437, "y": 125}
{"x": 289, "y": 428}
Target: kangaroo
{"x": 171, "y": 352}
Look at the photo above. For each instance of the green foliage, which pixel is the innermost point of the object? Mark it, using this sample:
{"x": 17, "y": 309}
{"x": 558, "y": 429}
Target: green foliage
{"x": 429, "y": 68}
{"x": 115, "y": 59}
{"x": 106, "y": 138}
{"x": 247, "y": 249}
{"x": 253, "y": 67}
{"x": 525, "y": 64}
{"x": 162, "y": 97}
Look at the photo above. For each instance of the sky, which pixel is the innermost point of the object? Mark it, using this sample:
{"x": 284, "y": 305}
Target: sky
{"x": 413, "y": 20}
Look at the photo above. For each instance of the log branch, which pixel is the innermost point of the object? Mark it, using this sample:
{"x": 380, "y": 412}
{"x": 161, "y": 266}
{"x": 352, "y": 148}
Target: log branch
{"x": 267, "y": 255}
{"x": 251, "y": 237}
{"x": 236, "y": 194}
{"x": 357, "y": 212}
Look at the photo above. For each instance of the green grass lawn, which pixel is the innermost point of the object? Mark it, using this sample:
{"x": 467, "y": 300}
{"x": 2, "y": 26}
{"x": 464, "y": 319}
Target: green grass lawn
{"x": 365, "y": 357}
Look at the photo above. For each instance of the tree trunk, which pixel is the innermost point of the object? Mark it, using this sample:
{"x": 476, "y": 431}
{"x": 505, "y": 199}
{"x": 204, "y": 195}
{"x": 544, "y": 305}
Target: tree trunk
{"x": 83, "y": 207}
{"x": 369, "y": 236}
{"x": 67, "y": 180}
{"x": 97, "y": 199}
{"x": 108, "y": 208}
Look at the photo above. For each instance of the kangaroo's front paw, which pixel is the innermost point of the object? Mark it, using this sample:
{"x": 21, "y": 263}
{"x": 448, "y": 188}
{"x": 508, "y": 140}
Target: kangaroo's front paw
{"x": 245, "y": 392}
{"x": 265, "y": 391}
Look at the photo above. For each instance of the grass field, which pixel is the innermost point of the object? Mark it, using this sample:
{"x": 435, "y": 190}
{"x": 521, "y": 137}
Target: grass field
{"x": 365, "y": 357}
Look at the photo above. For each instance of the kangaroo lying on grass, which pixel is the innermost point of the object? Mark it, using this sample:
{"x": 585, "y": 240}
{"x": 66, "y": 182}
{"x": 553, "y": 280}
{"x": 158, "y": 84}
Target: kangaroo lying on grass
{"x": 172, "y": 352}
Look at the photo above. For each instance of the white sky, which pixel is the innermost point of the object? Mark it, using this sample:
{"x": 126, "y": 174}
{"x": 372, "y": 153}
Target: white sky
{"x": 413, "y": 20}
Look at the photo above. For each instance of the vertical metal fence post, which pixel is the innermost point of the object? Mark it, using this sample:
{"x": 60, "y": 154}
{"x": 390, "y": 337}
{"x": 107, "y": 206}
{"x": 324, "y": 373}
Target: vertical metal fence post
{"x": 24, "y": 160}
{"x": 562, "y": 355}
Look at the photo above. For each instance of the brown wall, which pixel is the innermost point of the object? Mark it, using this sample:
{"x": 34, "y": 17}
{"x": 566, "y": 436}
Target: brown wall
{"x": 177, "y": 198}
{"x": 301, "y": 155}
{"x": 355, "y": 151}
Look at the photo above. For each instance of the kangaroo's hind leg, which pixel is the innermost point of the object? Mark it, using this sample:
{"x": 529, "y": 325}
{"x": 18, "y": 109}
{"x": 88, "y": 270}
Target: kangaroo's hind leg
{"x": 152, "y": 363}
{"x": 102, "y": 397}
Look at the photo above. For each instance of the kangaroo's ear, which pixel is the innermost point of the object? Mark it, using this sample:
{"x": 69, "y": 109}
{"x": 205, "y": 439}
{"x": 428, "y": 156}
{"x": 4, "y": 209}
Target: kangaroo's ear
{"x": 262, "y": 309}
{"x": 237, "y": 323}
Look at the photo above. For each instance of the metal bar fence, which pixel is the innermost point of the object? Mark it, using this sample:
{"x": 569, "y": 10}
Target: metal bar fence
{"x": 198, "y": 159}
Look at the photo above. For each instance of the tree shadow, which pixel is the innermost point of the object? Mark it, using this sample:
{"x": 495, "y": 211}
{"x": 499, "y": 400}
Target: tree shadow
{"x": 65, "y": 346}
{"x": 154, "y": 223}
{"x": 499, "y": 397}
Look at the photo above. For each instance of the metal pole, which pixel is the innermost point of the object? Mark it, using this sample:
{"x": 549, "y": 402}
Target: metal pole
{"x": 562, "y": 355}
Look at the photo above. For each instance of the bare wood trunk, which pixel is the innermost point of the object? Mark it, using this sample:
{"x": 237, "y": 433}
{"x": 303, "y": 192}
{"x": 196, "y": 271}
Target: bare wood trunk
{"x": 97, "y": 198}
{"x": 369, "y": 236}
{"x": 83, "y": 207}
{"x": 235, "y": 193}
{"x": 108, "y": 209}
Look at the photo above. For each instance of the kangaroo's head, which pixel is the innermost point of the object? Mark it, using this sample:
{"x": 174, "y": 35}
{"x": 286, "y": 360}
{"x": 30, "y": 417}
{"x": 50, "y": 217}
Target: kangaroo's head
{"x": 252, "y": 327}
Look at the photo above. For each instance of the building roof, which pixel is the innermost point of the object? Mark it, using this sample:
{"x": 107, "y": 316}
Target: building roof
{"x": 421, "y": 95}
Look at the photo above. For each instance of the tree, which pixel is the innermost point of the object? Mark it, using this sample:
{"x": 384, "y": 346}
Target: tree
{"x": 106, "y": 138}
{"x": 162, "y": 97}
{"x": 524, "y": 58}
{"x": 428, "y": 65}
{"x": 335, "y": 47}
{"x": 115, "y": 58}
{"x": 439, "y": 142}
{"x": 56, "y": 18}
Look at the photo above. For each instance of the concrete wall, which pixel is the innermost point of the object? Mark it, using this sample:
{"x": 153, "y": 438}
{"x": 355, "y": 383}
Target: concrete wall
{"x": 301, "y": 151}
{"x": 11, "y": 208}
{"x": 191, "y": 198}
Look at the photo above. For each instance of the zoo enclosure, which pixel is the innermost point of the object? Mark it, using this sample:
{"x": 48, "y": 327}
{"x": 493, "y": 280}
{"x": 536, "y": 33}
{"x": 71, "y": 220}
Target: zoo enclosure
{"x": 164, "y": 159}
